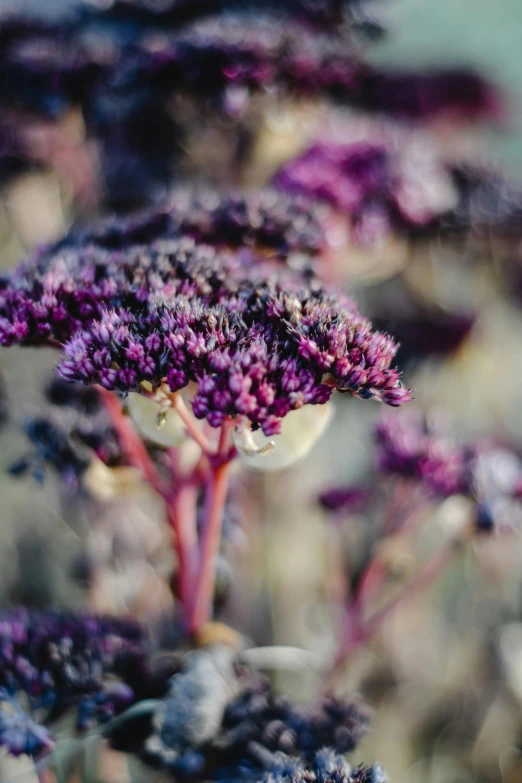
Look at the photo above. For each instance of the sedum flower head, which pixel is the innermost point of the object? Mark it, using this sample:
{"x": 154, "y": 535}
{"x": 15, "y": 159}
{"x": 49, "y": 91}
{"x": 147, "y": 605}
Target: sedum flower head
{"x": 73, "y": 429}
{"x": 489, "y": 476}
{"x": 239, "y": 729}
{"x": 254, "y": 350}
{"x": 47, "y": 70}
{"x": 59, "y": 661}
{"x": 380, "y": 184}
{"x": 190, "y": 245}
{"x": 420, "y": 449}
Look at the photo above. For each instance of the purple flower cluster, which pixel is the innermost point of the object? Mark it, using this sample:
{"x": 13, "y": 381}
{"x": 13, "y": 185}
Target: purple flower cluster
{"x": 58, "y": 292}
{"x": 75, "y": 426}
{"x": 265, "y": 737}
{"x": 125, "y": 262}
{"x": 262, "y": 737}
{"x": 254, "y": 52}
{"x": 380, "y": 185}
{"x": 61, "y": 661}
{"x": 490, "y": 475}
{"x": 257, "y": 350}
{"x": 174, "y": 13}
{"x": 45, "y": 70}
{"x": 267, "y": 221}
{"x": 418, "y": 449}
{"x": 260, "y": 723}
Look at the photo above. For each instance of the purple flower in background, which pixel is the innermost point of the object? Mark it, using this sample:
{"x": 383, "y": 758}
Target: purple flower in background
{"x": 417, "y": 449}
{"x": 359, "y": 14}
{"x": 73, "y": 428}
{"x": 380, "y": 185}
{"x": 61, "y": 661}
{"x": 54, "y": 69}
{"x": 344, "y": 499}
{"x": 268, "y": 221}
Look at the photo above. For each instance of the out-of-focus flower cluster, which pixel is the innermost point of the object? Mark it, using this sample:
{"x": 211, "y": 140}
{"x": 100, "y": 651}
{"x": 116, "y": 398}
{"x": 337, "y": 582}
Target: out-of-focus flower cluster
{"x": 378, "y": 185}
{"x": 362, "y": 15}
{"x": 120, "y": 68}
{"x": 58, "y": 68}
{"x": 217, "y": 723}
{"x": 76, "y": 427}
{"x": 424, "y": 453}
{"x": 54, "y": 662}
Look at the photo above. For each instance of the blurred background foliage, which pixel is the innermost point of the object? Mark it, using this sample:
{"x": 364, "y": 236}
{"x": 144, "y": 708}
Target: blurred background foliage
{"x": 444, "y": 676}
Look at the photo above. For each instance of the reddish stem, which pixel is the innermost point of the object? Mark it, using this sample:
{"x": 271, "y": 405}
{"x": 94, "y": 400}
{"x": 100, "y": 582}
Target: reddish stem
{"x": 131, "y": 442}
{"x": 181, "y": 515}
{"x": 215, "y": 502}
{"x": 422, "y": 579}
{"x": 357, "y": 632}
{"x": 191, "y": 426}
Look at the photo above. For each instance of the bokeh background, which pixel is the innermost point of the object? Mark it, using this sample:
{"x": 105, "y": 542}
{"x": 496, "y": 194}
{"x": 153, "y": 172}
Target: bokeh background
{"x": 445, "y": 675}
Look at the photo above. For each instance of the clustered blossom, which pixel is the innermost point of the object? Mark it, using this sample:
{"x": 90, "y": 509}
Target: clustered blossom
{"x": 63, "y": 661}
{"x": 267, "y": 221}
{"x": 57, "y": 293}
{"x": 124, "y": 262}
{"x": 358, "y": 14}
{"x": 254, "y": 52}
{"x": 380, "y": 185}
{"x": 259, "y": 351}
{"x": 260, "y": 735}
{"x": 422, "y": 451}
{"x": 489, "y": 475}
{"x": 54, "y": 69}
{"x": 416, "y": 448}
{"x": 75, "y": 426}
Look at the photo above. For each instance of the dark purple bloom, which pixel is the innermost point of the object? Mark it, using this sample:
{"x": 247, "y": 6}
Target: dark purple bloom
{"x": 416, "y": 449}
{"x": 60, "y": 661}
{"x": 66, "y": 435}
{"x": 257, "y": 350}
{"x": 379, "y": 185}
{"x": 324, "y": 13}
{"x": 266, "y": 220}
{"x": 423, "y": 452}
{"x": 54, "y": 69}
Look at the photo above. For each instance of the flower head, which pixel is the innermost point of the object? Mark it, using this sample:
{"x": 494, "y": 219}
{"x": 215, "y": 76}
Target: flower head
{"x": 488, "y": 475}
{"x": 257, "y": 350}
{"x": 190, "y": 245}
{"x": 380, "y": 185}
{"x": 59, "y": 661}
{"x": 420, "y": 450}
{"x": 65, "y": 437}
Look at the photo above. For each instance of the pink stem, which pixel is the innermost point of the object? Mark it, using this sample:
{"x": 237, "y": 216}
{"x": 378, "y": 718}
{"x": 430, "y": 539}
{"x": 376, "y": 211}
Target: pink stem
{"x": 181, "y": 515}
{"x": 422, "y": 579}
{"x": 217, "y": 493}
{"x": 131, "y": 442}
{"x": 191, "y": 426}
{"x": 358, "y": 632}
{"x": 179, "y": 500}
